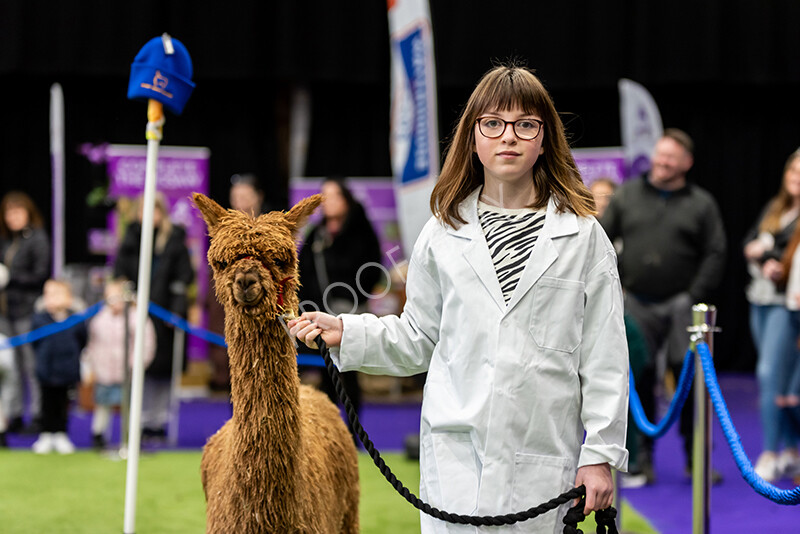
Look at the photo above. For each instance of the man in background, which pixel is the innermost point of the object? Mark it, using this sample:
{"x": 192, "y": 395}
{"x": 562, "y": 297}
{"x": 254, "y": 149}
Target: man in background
{"x": 673, "y": 256}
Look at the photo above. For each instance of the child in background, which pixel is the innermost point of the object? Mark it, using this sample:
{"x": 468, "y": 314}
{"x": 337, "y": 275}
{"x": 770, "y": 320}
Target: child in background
{"x": 57, "y": 367}
{"x": 105, "y": 354}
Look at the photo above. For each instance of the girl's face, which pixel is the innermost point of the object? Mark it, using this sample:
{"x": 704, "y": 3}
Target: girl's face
{"x": 114, "y": 298}
{"x": 508, "y": 159}
{"x": 16, "y": 217}
{"x": 791, "y": 179}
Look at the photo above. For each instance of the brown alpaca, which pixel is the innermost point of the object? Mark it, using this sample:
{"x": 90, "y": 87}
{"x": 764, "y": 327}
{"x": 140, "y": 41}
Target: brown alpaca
{"x": 285, "y": 462}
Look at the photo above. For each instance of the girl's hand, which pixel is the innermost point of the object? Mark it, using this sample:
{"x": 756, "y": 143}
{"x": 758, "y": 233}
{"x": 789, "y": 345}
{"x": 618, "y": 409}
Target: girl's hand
{"x": 311, "y": 324}
{"x": 599, "y": 487}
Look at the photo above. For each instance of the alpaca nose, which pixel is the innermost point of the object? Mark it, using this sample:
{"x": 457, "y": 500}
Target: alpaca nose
{"x": 245, "y": 280}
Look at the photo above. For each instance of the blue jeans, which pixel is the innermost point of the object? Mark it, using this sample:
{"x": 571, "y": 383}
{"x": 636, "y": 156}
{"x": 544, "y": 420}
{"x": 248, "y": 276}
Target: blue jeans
{"x": 775, "y": 331}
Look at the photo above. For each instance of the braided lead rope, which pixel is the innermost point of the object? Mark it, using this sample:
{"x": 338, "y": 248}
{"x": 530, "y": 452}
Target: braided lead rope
{"x": 605, "y": 519}
{"x": 485, "y": 520}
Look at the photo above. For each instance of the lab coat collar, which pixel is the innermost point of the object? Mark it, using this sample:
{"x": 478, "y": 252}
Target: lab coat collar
{"x": 476, "y": 252}
{"x": 543, "y": 255}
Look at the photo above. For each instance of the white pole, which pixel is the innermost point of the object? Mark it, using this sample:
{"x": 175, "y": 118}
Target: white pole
{"x": 57, "y": 163}
{"x": 155, "y": 117}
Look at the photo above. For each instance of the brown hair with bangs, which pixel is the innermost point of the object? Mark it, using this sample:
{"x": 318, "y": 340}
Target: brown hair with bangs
{"x": 555, "y": 174}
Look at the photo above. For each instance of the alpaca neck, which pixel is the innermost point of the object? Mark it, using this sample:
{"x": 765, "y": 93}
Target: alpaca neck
{"x": 264, "y": 392}
{"x": 263, "y": 370}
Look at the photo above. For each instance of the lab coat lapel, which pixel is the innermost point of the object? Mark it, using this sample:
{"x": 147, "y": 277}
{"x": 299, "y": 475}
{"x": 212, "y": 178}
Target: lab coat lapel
{"x": 544, "y": 252}
{"x": 476, "y": 252}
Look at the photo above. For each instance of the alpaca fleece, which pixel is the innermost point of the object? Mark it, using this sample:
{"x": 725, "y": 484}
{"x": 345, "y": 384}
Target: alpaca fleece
{"x": 284, "y": 462}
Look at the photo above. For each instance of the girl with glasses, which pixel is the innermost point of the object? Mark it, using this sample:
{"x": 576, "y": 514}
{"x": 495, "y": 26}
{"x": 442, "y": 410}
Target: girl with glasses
{"x": 514, "y": 309}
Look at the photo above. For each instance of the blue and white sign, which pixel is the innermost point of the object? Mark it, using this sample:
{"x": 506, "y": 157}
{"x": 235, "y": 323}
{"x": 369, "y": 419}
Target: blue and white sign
{"x": 414, "y": 133}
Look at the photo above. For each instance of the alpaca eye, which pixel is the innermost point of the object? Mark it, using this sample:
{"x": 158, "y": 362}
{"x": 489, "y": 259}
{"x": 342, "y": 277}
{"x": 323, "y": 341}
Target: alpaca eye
{"x": 280, "y": 264}
{"x": 221, "y": 265}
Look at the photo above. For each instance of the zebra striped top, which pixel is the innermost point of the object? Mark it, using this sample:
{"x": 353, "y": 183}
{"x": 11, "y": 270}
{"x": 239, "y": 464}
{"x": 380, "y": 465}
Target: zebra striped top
{"x": 510, "y": 234}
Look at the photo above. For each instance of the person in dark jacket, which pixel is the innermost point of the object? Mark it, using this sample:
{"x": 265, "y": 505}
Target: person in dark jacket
{"x": 171, "y": 274}
{"x": 25, "y": 251}
{"x": 58, "y": 367}
{"x": 673, "y": 256}
{"x": 339, "y": 267}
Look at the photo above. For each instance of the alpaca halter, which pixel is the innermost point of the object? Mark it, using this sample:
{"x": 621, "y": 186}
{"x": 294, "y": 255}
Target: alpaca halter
{"x": 281, "y": 284}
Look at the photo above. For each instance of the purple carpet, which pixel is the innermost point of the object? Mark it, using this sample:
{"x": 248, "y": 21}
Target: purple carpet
{"x": 667, "y": 504}
{"x": 735, "y": 507}
{"x": 386, "y": 424}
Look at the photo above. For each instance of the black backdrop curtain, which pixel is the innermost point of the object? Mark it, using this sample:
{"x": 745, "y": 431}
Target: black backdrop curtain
{"x": 726, "y": 71}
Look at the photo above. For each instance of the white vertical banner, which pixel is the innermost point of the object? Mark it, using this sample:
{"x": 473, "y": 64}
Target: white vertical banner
{"x": 414, "y": 133}
{"x": 640, "y": 123}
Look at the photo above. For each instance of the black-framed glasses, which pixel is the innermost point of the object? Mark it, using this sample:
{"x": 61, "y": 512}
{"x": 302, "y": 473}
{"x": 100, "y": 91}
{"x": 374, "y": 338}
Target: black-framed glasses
{"x": 493, "y": 127}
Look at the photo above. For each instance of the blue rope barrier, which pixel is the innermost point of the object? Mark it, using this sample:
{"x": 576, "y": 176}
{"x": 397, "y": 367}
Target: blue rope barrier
{"x": 762, "y": 487}
{"x": 156, "y": 311}
{"x": 179, "y": 322}
{"x": 50, "y": 329}
{"x": 674, "y": 410}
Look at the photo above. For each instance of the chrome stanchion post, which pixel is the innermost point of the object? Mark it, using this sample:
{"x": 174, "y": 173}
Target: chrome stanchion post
{"x": 129, "y": 295}
{"x": 179, "y": 341}
{"x": 704, "y": 318}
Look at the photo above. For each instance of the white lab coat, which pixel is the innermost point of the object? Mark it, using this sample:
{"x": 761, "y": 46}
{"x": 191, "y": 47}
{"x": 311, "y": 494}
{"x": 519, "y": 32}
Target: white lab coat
{"x": 510, "y": 389}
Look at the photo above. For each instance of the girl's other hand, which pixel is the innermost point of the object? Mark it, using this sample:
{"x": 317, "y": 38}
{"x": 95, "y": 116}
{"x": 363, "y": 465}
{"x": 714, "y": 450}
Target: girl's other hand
{"x": 312, "y": 324}
{"x": 599, "y": 487}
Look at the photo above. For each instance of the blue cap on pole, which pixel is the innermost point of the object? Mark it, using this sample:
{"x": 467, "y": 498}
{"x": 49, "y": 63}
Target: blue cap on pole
{"x": 162, "y": 70}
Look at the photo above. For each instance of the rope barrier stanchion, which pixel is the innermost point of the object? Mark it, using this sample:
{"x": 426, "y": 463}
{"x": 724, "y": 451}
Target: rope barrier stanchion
{"x": 178, "y": 344}
{"x": 705, "y": 317}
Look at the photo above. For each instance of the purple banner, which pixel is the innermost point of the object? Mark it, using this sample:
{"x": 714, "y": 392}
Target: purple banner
{"x": 378, "y": 198}
{"x": 181, "y": 172}
{"x": 594, "y": 163}
{"x": 377, "y": 195}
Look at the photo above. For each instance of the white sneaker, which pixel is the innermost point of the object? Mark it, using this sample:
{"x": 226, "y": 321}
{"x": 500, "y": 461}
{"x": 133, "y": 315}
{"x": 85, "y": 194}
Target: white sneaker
{"x": 62, "y": 444}
{"x": 43, "y": 445}
{"x": 789, "y": 463}
{"x": 630, "y": 480}
{"x": 767, "y": 466}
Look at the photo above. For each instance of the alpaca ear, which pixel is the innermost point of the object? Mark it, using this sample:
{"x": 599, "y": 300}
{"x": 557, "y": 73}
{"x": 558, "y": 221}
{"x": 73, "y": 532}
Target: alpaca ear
{"x": 299, "y": 214}
{"x": 212, "y": 212}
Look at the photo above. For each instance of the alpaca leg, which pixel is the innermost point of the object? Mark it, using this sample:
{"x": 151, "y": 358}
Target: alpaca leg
{"x": 350, "y": 523}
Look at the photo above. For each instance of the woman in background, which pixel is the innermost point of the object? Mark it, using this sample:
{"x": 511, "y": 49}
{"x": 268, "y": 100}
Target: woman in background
{"x": 172, "y": 273}
{"x": 25, "y": 251}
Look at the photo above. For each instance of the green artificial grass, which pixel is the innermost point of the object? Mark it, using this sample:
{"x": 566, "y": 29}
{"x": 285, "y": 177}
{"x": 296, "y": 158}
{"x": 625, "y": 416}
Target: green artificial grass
{"x": 84, "y": 493}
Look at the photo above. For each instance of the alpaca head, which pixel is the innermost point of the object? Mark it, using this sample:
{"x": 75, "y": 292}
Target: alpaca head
{"x": 254, "y": 259}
